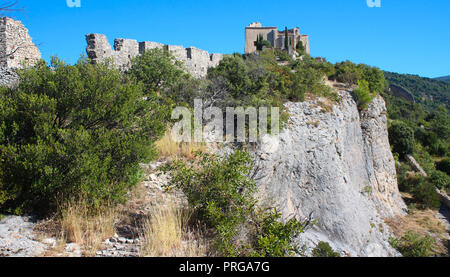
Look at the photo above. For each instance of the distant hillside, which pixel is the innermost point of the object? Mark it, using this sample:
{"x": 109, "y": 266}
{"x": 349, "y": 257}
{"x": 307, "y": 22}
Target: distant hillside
{"x": 444, "y": 79}
{"x": 430, "y": 92}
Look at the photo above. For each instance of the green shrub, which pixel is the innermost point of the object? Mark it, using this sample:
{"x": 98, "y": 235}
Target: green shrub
{"x": 440, "y": 180}
{"x": 72, "y": 131}
{"x": 362, "y": 95}
{"x": 273, "y": 238}
{"x": 157, "y": 69}
{"x": 348, "y": 72}
{"x": 401, "y": 137}
{"x": 413, "y": 245}
{"x": 444, "y": 166}
{"x": 221, "y": 195}
{"x": 425, "y": 194}
{"x": 323, "y": 249}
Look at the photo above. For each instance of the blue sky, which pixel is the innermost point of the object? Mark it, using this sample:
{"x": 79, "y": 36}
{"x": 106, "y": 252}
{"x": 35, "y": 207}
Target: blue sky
{"x": 402, "y": 36}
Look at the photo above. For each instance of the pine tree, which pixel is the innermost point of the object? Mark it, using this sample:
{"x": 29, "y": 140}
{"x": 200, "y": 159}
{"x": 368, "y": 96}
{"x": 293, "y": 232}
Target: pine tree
{"x": 286, "y": 38}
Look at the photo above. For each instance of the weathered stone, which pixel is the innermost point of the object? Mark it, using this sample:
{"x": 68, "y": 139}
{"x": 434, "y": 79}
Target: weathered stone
{"x": 196, "y": 61}
{"x": 16, "y": 46}
{"x": 336, "y": 168}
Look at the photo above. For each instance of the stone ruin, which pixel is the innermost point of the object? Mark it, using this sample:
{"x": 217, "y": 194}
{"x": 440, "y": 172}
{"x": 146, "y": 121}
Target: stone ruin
{"x": 196, "y": 61}
{"x": 16, "y": 50}
{"x": 16, "y": 46}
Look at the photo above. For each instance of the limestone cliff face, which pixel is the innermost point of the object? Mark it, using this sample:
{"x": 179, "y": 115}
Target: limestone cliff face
{"x": 337, "y": 167}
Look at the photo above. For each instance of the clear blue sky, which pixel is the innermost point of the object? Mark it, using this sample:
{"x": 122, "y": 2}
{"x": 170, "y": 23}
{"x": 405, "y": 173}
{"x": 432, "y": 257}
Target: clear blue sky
{"x": 410, "y": 36}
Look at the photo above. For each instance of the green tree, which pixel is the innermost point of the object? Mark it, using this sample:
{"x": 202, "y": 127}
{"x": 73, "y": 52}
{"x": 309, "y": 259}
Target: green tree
{"x": 261, "y": 43}
{"x": 300, "y": 48}
{"x": 362, "y": 95}
{"x": 286, "y": 39}
{"x": 401, "y": 137}
{"x": 157, "y": 69}
{"x": 221, "y": 195}
{"x": 73, "y": 131}
{"x": 444, "y": 166}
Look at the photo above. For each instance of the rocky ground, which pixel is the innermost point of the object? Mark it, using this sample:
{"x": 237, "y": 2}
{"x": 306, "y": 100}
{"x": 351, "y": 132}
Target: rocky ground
{"x": 23, "y": 237}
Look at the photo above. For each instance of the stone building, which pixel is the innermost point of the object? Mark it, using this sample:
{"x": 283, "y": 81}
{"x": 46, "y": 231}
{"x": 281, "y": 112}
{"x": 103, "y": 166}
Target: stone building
{"x": 275, "y": 37}
{"x": 196, "y": 61}
{"x": 16, "y": 45}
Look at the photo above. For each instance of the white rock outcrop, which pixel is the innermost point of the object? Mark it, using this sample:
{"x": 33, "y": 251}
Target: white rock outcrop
{"x": 338, "y": 169}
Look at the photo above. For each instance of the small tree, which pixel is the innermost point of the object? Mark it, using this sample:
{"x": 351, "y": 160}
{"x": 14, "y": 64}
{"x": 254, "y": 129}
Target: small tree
{"x": 286, "y": 38}
{"x": 300, "y": 47}
{"x": 362, "y": 95}
{"x": 401, "y": 137}
{"x": 73, "y": 131}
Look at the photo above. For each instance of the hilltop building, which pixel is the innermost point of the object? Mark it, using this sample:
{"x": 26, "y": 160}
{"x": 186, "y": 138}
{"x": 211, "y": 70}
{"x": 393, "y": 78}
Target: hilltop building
{"x": 275, "y": 37}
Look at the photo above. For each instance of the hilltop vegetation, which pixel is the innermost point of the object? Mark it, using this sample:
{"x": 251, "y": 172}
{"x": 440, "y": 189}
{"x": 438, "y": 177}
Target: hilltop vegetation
{"x": 71, "y": 133}
{"x": 429, "y": 92}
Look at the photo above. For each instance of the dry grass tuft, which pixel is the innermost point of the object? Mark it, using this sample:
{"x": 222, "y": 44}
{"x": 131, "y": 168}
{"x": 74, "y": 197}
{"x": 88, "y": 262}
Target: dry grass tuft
{"x": 168, "y": 148}
{"x": 422, "y": 222}
{"x": 166, "y": 234}
{"x": 84, "y": 227}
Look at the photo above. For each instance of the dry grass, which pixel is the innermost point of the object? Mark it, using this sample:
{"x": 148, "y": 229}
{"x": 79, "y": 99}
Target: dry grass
{"x": 168, "y": 148}
{"x": 166, "y": 234}
{"x": 86, "y": 228}
{"x": 422, "y": 222}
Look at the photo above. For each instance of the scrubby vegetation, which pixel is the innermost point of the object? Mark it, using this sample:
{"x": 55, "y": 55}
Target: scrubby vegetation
{"x": 73, "y": 131}
{"x": 421, "y": 129}
{"x": 413, "y": 245}
{"x": 72, "y": 138}
{"x": 324, "y": 250}
{"x": 220, "y": 192}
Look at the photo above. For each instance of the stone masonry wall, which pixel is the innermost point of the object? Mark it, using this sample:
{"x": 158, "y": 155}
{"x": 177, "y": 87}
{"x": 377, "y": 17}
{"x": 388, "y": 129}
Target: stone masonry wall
{"x": 196, "y": 61}
{"x": 16, "y": 46}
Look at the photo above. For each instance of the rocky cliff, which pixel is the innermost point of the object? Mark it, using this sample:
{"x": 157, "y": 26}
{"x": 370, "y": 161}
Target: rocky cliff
{"x": 337, "y": 168}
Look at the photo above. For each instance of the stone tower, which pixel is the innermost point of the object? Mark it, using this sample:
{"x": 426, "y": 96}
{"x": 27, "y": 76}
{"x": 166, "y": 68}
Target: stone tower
{"x": 16, "y": 45}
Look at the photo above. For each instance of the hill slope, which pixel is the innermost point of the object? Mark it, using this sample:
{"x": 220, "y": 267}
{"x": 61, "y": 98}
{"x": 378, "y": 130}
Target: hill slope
{"x": 430, "y": 92}
{"x": 444, "y": 79}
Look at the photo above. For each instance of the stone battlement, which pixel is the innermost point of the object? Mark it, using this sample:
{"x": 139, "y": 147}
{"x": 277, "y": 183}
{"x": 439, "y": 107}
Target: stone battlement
{"x": 196, "y": 61}
{"x": 16, "y": 45}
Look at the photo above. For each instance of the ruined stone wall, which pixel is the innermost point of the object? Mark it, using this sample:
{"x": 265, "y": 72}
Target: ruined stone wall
{"x": 196, "y": 61}
{"x": 16, "y": 45}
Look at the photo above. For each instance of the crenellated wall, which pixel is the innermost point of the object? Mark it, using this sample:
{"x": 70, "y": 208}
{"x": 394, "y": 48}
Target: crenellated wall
{"x": 196, "y": 61}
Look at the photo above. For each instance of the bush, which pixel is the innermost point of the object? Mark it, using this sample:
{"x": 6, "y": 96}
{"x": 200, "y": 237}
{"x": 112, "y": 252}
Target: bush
{"x": 273, "y": 238}
{"x": 440, "y": 180}
{"x": 413, "y": 245}
{"x": 73, "y": 131}
{"x": 323, "y": 249}
{"x": 362, "y": 95}
{"x": 425, "y": 194}
{"x": 401, "y": 137}
{"x": 220, "y": 193}
{"x": 157, "y": 69}
{"x": 348, "y": 72}
{"x": 444, "y": 165}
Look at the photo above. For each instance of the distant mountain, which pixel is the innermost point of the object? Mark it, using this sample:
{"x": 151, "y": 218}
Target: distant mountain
{"x": 429, "y": 92}
{"x": 445, "y": 79}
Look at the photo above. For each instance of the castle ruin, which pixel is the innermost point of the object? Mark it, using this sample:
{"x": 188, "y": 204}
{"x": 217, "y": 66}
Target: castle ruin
{"x": 276, "y": 38}
{"x": 196, "y": 61}
{"x": 16, "y": 46}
